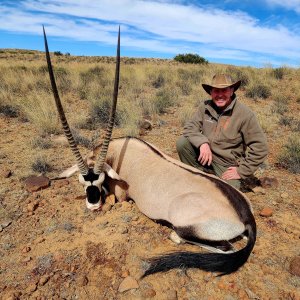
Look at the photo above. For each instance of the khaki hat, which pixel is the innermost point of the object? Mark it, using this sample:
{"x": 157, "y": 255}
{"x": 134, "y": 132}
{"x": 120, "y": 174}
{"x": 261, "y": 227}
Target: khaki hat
{"x": 221, "y": 81}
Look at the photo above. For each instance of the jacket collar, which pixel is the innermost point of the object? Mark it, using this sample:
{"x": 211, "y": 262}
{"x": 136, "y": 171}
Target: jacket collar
{"x": 212, "y": 109}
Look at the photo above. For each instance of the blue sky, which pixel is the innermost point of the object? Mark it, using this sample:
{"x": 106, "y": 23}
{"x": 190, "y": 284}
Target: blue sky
{"x": 239, "y": 32}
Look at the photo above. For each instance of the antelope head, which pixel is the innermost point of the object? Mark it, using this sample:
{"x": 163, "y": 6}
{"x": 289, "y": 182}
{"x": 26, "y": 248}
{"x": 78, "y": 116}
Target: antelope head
{"x": 91, "y": 178}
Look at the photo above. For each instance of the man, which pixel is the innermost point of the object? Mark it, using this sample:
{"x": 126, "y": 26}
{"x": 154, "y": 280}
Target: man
{"x": 223, "y": 137}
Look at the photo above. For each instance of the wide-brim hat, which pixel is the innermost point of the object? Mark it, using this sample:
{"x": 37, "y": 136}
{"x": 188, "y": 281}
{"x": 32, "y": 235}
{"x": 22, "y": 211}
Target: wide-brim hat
{"x": 221, "y": 81}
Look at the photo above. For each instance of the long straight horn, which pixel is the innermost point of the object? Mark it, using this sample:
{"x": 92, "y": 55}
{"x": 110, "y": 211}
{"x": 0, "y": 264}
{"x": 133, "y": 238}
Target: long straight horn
{"x": 100, "y": 163}
{"x": 82, "y": 166}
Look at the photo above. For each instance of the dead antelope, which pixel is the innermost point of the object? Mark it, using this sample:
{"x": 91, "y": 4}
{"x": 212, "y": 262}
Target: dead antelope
{"x": 201, "y": 208}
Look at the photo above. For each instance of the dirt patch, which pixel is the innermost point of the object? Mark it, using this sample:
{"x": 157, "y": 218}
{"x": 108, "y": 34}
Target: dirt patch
{"x": 60, "y": 250}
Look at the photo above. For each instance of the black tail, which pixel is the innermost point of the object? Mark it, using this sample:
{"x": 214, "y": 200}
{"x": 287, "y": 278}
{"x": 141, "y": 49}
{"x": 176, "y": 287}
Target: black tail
{"x": 211, "y": 262}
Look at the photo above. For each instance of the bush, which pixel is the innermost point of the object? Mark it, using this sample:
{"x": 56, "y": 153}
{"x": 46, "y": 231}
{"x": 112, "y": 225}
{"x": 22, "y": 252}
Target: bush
{"x": 40, "y": 165}
{"x": 290, "y": 157}
{"x": 9, "y": 111}
{"x": 278, "y": 73}
{"x": 258, "y": 90}
{"x": 57, "y": 53}
{"x": 190, "y": 58}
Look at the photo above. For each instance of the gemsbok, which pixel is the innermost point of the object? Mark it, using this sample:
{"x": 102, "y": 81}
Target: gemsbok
{"x": 201, "y": 208}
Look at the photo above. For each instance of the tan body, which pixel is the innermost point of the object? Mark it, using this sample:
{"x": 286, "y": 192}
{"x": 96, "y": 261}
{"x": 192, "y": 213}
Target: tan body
{"x": 166, "y": 189}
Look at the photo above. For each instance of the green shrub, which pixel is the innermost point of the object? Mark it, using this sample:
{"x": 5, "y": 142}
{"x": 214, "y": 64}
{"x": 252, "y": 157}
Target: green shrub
{"x": 290, "y": 156}
{"x": 40, "y": 165}
{"x": 280, "y": 105}
{"x": 286, "y": 121}
{"x": 57, "y": 53}
{"x": 165, "y": 98}
{"x": 9, "y": 111}
{"x": 278, "y": 73}
{"x": 190, "y": 58}
{"x": 258, "y": 90}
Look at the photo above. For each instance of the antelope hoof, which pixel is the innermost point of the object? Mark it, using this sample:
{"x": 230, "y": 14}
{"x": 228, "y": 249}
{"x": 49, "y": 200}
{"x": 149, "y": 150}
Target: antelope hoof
{"x": 175, "y": 238}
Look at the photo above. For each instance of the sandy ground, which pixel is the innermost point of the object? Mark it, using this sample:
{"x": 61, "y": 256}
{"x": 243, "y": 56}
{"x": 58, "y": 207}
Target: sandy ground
{"x": 52, "y": 247}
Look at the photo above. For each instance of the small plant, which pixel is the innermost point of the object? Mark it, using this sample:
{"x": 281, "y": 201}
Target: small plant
{"x": 40, "y": 142}
{"x": 258, "y": 90}
{"x": 278, "y": 73}
{"x": 57, "y": 53}
{"x": 165, "y": 98}
{"x": 40, "y": 165}
{"x": 190, "y": 58}
{"x": 290, "y": 156}
{"x": 9, "y": 111}
{"x": 286, "y": 121}
{"x": 280, "y": 105}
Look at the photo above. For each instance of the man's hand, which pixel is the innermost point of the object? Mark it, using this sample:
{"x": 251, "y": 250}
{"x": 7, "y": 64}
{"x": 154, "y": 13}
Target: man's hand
{"x": 205, "y": 156}
{"x": 231, "y": 173}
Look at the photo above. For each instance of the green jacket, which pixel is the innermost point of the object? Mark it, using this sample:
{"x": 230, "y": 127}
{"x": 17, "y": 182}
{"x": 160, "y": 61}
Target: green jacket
{"x": 234, "y": 136}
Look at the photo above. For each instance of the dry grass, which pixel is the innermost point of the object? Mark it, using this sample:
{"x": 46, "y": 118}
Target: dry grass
{"x": 148, "y": 88}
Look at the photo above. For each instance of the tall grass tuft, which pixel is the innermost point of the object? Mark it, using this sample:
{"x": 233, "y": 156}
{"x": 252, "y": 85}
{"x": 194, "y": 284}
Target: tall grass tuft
{"x": 290, "y": 156}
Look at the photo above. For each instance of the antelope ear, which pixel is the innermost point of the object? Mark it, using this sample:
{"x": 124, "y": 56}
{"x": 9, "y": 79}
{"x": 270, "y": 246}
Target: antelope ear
{"x": 69, "y": 172}
{"x": 111, "y": 172}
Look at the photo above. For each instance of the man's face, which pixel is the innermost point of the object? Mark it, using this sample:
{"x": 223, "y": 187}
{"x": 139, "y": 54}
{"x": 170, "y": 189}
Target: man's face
{"x": 221, "y": 97}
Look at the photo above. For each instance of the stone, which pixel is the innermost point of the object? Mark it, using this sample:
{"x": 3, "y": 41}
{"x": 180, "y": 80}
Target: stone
{"x": 31, "y": 288}
{"x": 148, "y": 293}
{"x": 35, "y": 183}
{"x": 259, "y": 190}
{"x": 146, "y": 124}
{"x": 5, "y": 223}
{"x": 6, "y": 173}
{"x": 82, "y": 280}
{"x": 128, "y": 283}
{"x": 106, "y": 207}
{"x": 266, "y": 212}
{"x": 44, "y": 279}
{"x": 269, "y": 182}
{"x": 284, "y": 195}
{"x": 111, "y": 199}
{"x": 31, "y": 207}
{"x": 295, "y": 266}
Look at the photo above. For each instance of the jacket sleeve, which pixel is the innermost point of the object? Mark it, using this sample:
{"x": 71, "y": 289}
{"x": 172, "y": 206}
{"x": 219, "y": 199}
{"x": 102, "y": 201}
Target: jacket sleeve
{"x": 257, "y": 147}
{"x": 193, "y": 129}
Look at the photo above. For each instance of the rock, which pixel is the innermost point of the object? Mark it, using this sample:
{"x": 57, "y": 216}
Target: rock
{"x": 31, "y": 288}
{"x": 5, "y": 223}
{"x": 128, "y": 283}
{"x": 126, "y": 206}
{"x": 31, "y": 207}
{"x": 36, "y": 183}
{"x": 259, "y": 190}
{"x": 106, "y": 207}
{"x": 175, "y": 238}
{"x": 295, "y": 266}
{"x": 44, "y": 279}
{"x": 148, "y": 293}
{"x": 27, "y": 259}
{"x": 125, "y": 274}
{"x": 284, "y": 195}
{"x": 269, "y": 182}
{"x": 266, "y": 212}
{"x": 26, "y": 249}
{"x": 6, "y": 173}
{"x": 82, "y": 280}
{"x": 111, "y": 199}
{"x": 146, "y": 124}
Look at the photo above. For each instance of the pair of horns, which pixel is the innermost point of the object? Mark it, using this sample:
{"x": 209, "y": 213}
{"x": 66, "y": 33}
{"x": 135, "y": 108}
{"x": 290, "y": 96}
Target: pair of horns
{"x": 101, "y": 159}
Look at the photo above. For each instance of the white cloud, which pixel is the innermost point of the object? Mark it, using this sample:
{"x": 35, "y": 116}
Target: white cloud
{"x": 162, "y": 26}
{"x": 288, "y": 4}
